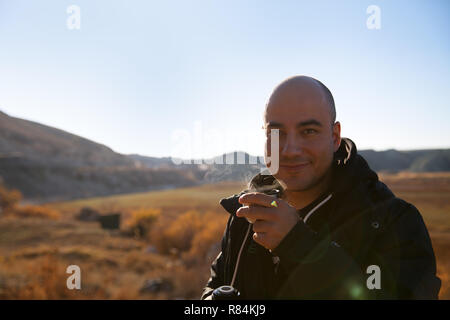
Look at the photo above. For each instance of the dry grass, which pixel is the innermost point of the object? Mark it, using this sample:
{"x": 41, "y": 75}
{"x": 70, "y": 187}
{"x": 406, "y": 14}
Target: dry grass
{"x": 172, "y": 202}
{"x": 184, "y": 226}
{"x": 33, "y": 211}
{"x": 114, "y": 265}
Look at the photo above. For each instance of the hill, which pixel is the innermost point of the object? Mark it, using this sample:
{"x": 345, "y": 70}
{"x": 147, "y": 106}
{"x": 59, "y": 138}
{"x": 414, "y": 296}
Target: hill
{"x": 437, "y": 160}
{"x": 49, "y": 164}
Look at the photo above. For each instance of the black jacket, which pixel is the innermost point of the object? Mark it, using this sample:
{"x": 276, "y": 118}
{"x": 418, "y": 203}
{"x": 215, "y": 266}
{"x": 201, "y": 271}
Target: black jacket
{"x": 361, "y": 224}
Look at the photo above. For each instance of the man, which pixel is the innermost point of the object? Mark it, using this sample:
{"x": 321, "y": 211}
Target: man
{"x": 334, "y": 231}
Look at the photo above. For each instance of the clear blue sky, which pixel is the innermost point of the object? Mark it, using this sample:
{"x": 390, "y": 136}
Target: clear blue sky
{"x": 138, "y": 71}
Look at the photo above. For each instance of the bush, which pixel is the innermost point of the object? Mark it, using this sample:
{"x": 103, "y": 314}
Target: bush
{"x": 8, "y": 199}
{"x": 141, "y": 221}
{"x": 178, "y": 235}
{"x": 45, "y": 278}
{"x": 206, "y": 243}
{"x": 193, "y": 235}
{"x": 36, "y": 212}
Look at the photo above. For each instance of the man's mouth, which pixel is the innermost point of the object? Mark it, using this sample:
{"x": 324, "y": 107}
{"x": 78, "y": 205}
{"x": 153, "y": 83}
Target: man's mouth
{"x": 294, "y": 167}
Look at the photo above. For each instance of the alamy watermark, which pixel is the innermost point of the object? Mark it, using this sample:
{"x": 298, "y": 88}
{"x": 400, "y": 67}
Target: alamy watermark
{"x": 74, "y": 280}
{"x": 373, "y": 22}
{"x": 74, "y": 19}
{"x": 374, "y": 280}
{"x": 187, "y": 143}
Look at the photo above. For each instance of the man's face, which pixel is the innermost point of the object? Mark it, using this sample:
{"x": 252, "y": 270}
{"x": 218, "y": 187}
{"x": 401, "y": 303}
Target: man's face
{"x": 307, "y": 139}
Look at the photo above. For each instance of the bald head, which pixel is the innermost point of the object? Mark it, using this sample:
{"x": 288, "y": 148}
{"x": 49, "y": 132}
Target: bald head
{"x": 302, "y": 110}
{"x": 303, "y": 89}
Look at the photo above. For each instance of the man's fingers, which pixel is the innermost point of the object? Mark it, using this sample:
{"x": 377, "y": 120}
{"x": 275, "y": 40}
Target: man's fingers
{"x": 262, "y": 226}
{"x": 253, "y": 213}
{"x": 261, "y": 238}
{"x": 257, "y": 198}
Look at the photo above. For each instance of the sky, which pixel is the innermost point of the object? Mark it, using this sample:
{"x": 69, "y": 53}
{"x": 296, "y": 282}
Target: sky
{"x": 191, "y": 78}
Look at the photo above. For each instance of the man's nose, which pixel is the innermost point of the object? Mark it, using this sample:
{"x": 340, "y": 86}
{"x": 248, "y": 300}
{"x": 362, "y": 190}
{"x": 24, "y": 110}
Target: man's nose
{"x": 292, "y": 146}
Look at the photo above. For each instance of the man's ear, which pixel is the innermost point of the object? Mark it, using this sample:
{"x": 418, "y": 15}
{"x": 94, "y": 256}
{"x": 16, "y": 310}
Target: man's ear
{"x": 336, "y": 135}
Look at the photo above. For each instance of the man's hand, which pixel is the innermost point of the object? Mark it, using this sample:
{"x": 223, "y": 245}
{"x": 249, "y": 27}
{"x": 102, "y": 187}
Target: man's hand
{"x": 270, "y": 224}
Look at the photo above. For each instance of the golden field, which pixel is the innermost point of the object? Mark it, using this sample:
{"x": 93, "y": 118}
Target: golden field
{"x": 170, "y": 235}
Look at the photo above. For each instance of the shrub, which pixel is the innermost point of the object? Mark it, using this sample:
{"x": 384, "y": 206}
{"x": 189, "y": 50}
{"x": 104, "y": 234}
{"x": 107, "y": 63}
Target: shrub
{"x": 45, "y": 278}
{"x": 178, "y": 235}
{"x": 8, "y": 198}
{"x": 141, "y": 221}
{"x": 206, "y": 243}
{"x": 191, "y": 234}
{"x": 36, "y": 212}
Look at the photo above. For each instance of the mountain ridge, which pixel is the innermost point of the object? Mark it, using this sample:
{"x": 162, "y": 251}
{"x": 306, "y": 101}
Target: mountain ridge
{"x": 50, "y": 164}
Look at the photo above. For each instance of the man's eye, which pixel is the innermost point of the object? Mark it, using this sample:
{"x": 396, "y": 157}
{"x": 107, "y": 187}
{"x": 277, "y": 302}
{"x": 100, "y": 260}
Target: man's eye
{"x": 280, "y": 133}
{"x": 310, "y": 131}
